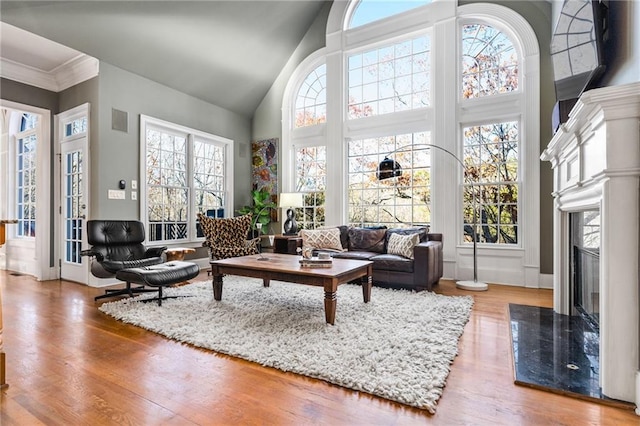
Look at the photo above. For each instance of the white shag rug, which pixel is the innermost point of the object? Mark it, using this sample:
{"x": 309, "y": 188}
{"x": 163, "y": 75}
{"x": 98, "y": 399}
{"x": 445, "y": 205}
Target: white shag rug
{"x": 398, "y": 346}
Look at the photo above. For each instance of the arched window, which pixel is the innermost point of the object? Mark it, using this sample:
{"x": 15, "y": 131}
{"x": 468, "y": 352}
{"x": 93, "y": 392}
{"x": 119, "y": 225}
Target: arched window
{"x": 307, "y": 144}
{"x": 489, "y": 62}
{"x": 489, "y": 65}
{"x": 311, "y": 103}
{"x": 368, "y": 11}
{"x": 398, "y": 84}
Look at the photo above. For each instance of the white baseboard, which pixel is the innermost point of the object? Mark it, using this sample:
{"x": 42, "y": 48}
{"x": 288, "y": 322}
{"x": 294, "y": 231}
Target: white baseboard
{"x": 546, "y": 281}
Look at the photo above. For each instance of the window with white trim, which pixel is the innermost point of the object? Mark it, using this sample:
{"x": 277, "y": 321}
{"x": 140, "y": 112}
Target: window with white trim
{"x": 311, "y": 103}
{"x": 311, "y": 181}
{"x": 491, "y": 159}
{"x": 185, "y": 172}
{"x": 391, "y": 78}
{"x": 464, "y": 78}
{"x": 25, "y": 169}
{"x": 399, "y": 202}
{"x": 490, "y": 66}
{"x": 310, "y": 158}
{"x": 368, "y": 11}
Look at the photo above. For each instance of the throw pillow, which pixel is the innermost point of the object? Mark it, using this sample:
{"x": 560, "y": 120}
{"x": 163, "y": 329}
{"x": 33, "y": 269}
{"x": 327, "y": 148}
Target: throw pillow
{"x": 327, "y": 239}
{"x": 403, "y": 245}
{"x": 423, "y": 231}
{"x": 363, "y": 239}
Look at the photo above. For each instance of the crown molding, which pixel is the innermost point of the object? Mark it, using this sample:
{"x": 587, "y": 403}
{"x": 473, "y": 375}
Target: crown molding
{"x": 72, "y": 72}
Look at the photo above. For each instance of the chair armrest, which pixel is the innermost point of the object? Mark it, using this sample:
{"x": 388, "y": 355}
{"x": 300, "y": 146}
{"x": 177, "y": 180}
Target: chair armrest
{"x": 92, "y": 253}
{"x": 154, "y": 252}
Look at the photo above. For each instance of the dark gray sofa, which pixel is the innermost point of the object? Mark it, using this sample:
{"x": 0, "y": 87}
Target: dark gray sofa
{"x": 391, "y": 270}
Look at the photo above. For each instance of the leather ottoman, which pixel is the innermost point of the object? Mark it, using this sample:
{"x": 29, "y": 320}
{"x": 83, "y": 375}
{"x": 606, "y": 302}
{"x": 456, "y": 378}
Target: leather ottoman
{"x": 160, "y": 275}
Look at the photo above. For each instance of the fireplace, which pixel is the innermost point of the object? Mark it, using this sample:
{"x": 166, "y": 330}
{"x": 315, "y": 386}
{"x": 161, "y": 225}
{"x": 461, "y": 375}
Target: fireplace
{"x": 595, "y": 158}
{"x": 585, "y": 266}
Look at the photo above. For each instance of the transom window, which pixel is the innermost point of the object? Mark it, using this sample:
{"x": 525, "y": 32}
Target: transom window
{"x": 397, "y": 202}
{"x": 26, "y": 146}
{"x": 185, "y": 173}
{"x": 489, "y": 62}
{"x": 389, "y": 79}
{"x": 75, "y": 127}
{"x": 491, "y": 159}
{"x": 368, "y": 11}
{"x": 311, "y": 103}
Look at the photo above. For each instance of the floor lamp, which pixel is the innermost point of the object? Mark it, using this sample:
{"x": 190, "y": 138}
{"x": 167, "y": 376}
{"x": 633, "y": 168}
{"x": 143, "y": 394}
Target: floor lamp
{"x": 389, "y": 168}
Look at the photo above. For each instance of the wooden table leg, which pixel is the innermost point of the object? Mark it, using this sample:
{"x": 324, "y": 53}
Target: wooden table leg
{"x": 217, "y": 286}
{"x": 366, "y": 283}
{"x": 330, "y": 302}
{"x": 265, "y": 282}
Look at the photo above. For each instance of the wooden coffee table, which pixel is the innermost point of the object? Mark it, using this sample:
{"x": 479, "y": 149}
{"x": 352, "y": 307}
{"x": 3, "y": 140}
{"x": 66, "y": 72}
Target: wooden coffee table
{"x": 286, "y": 267}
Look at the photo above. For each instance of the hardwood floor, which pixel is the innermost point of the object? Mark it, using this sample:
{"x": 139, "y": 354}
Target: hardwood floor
{"x": 69, "y": 364}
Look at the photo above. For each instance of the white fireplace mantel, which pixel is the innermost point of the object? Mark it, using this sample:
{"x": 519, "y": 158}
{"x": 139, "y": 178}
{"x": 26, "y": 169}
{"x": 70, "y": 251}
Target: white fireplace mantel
{"x": 595, "y": 158}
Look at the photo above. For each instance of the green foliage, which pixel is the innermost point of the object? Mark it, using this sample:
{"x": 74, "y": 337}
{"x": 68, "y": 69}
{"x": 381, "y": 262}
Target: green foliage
{"x": 260, "y": 209}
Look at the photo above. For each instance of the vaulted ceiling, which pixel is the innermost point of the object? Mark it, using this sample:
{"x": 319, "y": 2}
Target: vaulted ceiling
{"x": 227, "y": 53}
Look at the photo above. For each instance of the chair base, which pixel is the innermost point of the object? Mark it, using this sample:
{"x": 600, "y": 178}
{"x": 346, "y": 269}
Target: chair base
{"x": 160, "y": 297}
{"x": 128, "y": 291}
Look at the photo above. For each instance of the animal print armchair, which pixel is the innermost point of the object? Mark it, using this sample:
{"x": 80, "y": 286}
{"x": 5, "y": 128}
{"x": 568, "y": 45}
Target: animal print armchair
{"x": 227, "y": 237}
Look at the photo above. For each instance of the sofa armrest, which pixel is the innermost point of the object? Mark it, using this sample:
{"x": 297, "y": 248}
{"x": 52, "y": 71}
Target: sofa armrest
{"x": 428, "y": 264}
{"x": 434, "y": 237}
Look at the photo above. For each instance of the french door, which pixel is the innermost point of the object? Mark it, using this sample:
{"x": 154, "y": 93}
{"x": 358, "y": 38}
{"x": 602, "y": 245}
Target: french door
{"x": 73, "y": 128}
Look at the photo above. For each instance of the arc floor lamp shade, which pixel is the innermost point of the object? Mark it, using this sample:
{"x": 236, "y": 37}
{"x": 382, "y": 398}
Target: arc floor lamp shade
{"x": 290, "y": 200}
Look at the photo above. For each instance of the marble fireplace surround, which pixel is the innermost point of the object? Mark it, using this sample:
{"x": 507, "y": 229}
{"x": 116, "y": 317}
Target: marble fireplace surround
{"x": 595, "y": 158}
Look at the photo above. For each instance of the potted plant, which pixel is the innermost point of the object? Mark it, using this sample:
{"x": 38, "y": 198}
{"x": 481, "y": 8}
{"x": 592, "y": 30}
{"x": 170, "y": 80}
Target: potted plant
{"x": 260, "y": 209}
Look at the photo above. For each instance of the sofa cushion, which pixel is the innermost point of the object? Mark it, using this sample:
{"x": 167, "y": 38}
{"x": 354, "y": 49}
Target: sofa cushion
{"x": 362, "y": 239}
{"x": 402, "y": 245}
{"x": 328, "y": 238}
{"x": 423, "y": 231}
{"x": 357, "y": 255}
{"x": 392, "y": 262}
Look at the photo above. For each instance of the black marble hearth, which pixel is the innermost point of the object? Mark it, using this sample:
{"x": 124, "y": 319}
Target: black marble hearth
{"x": 554, "y": 352}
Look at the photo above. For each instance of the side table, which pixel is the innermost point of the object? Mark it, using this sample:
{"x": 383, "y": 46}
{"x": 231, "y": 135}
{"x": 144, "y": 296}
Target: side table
{"x": 287, "y": 244}
{"x": 177, "y": 253}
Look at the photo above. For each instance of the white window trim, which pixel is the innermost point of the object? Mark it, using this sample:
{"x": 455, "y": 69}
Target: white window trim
{"x": 40, "y": 266}
{"x": 191, "y": 135}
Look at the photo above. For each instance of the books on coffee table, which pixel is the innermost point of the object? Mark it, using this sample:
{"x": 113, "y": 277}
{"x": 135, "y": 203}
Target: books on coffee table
{"x": 315, "y": 262}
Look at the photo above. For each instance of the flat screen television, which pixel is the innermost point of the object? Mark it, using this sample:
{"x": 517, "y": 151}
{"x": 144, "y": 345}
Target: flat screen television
{"x": 577, "y": 47}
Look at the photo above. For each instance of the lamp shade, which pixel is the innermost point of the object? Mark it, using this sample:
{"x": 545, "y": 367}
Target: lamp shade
{"x": 388, "y": 168}
{"x": 290, "y": 199}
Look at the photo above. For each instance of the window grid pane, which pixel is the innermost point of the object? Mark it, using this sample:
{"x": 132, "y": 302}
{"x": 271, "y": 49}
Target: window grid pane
{"x": 390, "y": 79}
{"x": 311, "y": 179}
{"x": 397, "y": 202}
{"x": 25, "y": 170}
{"x": 489, "y": 62}
{"x": 491, "y": 160}
{"x": 208, "y": 178}
{"x": 167, "y": 188}
{"x": 75, "y": 127}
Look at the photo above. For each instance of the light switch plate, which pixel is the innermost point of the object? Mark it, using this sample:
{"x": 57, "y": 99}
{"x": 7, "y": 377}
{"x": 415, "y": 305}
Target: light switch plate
{"x": 116, "y": 194}
{"x": 134, "y": 195}
{"x": 134, "y": 184}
